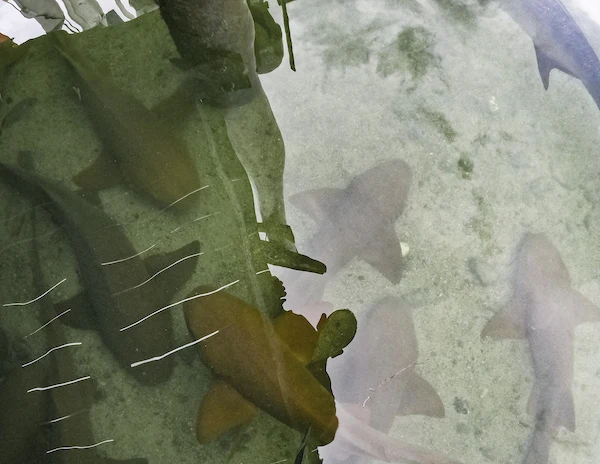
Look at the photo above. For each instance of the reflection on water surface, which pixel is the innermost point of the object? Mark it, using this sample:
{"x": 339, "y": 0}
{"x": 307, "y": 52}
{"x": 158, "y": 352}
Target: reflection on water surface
{"x": 379, "y": 257}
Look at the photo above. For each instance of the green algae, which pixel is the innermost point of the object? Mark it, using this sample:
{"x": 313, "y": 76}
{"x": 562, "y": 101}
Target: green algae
{"x": 458, "y": 12}
{"x": 343, "y": 48}
{"x": 465, "y": 165}
{"x": 439, "y": 121}
{"x": 411, "y": 52}
{"x": 482, "y": 224}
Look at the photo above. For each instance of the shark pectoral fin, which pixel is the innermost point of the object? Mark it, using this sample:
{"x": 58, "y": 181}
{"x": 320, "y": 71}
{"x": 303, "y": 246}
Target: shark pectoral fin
{"x": 547, "y": 64}
{"x": 183, "y": 263}
{"x": 81, "y": 313}
{"x": 99, "y": 175}
{"x": 579, "y": 308}
{"x": 298, "y": 334}
{"x": 506, "y": 323}
{"x": 222, "y": 409}
{"x": 419, "y": 397}
{"x": 318, "y": 203}
{"x": 385, "y": 255}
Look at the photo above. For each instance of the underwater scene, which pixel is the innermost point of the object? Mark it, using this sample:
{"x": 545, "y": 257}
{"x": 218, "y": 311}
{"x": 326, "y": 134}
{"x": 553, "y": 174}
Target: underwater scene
{"x": 299, "y": 231}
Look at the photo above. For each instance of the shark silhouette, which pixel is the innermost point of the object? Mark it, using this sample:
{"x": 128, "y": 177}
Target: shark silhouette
{"x": 559, "y": 42}
{"x": 545, "y": 310}
{"x": 255, "y": 367}
{"x": 26, "y": 435}
{"x": 113, "y": 297}
{"x": 357, "y": 221}
{"x": 141, "y": 148}
{"x": 74, "y": 400}
{"x": 374, "y": 381}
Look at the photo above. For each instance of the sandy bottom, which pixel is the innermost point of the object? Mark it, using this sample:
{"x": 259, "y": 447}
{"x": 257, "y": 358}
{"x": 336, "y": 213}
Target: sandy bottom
{"x": 456, "y": 94}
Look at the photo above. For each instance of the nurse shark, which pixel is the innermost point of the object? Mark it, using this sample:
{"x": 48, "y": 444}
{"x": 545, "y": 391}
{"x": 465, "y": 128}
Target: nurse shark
{"x": 545, "y": 310}
{"x": 266, "y": 363}
{"x": 559, "y": 42}
{"x": 115, "y": 295}
{"x": 356, "y": 221}
{"x": 373, "y": 382}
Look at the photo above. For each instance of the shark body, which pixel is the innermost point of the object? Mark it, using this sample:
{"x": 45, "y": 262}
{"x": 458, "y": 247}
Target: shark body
{"x": 545, "y": 310}
{"x": 256, "y": 368}
{"x": 148, "y": 155}
{"x": 559, "y": 42}
{"x": 377, "y": 373}
{"x": 113, "y": 292}
{"x": 374, "y": 381}
{"x": 73, "y": 402}
{"x": 28, "y": 429}
{"x": 266, "y": 363}
{"x": 356, "y": 221}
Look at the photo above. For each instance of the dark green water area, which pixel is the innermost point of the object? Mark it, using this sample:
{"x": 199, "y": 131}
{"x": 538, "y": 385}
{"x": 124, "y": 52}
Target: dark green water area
{"x": 123, "y": 198}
